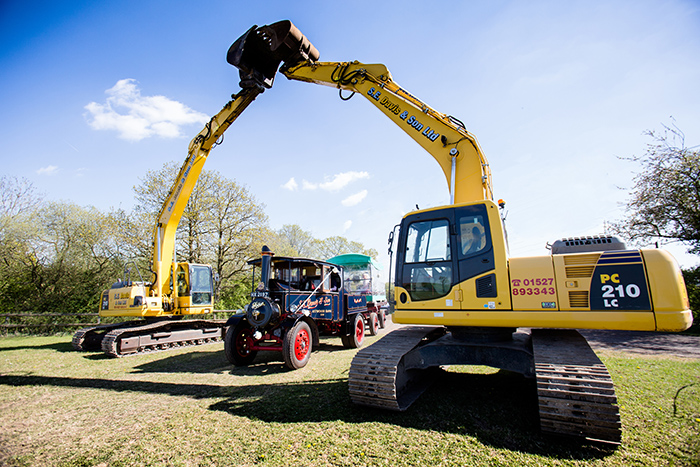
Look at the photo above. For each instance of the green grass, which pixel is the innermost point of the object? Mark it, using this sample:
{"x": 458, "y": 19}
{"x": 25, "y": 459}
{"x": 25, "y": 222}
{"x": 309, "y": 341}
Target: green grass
{"x": 190, "y": 407}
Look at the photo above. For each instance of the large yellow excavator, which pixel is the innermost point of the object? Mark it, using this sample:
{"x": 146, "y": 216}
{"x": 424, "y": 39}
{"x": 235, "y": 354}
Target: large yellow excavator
{"x": 472, "y": 304}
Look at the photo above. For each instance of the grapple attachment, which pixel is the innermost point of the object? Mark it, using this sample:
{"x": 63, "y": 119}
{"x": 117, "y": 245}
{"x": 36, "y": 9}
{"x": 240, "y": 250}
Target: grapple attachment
{"x": 259, "y": 52}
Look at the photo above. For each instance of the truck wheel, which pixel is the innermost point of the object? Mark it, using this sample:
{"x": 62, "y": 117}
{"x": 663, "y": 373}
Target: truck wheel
{"x": 373, "y": 324}
{"x": 357, "y": 334}
{"x": 238, "y": 343}
{"x": 382, "y": 318}
{"x": 296, "y": 347}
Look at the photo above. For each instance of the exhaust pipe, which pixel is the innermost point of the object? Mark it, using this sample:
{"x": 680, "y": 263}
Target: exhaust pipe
{"x": 259, "y": 52}
{"x": 265, "y": 267}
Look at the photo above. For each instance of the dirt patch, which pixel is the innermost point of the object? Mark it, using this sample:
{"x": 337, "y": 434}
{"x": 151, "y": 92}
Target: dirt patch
{"x": 647, "y": 343}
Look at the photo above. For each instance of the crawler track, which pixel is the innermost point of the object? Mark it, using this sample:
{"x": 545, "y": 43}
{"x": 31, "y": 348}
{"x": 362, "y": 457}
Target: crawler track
{"x": 133, "y": 338}
{"x": 575, "y": 392}
{"x": 90, "y": 339}
{"x": 376, "y": 377}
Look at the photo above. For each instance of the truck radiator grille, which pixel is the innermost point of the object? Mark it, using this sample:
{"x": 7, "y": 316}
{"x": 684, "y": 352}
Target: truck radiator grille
{"x": 578, "y": 299}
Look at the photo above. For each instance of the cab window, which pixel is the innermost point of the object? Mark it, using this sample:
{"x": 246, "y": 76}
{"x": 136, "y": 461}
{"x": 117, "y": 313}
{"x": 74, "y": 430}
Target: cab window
{"x": 473, "y": 235}
{"x": 427, "y": 273}
{"x": 428, "y": 241}
{"x": 201, "y": 285}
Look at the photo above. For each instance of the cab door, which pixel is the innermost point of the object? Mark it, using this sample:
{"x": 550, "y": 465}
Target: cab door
{"x": 475, "y": 257}
{"x": 425, "y": 261}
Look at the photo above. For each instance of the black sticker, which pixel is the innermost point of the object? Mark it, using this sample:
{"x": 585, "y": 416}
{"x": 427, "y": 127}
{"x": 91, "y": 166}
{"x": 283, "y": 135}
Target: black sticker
{"x": 619, "y": 287}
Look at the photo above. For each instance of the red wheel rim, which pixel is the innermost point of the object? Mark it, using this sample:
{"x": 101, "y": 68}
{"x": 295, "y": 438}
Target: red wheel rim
{"x": 243, "y": 342}
{"x": 359, "y": 328}
{"x": 301, "y": 344}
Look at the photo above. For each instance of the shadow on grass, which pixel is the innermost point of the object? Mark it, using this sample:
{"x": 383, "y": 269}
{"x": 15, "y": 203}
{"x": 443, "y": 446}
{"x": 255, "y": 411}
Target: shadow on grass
{"x": 499, "y": 409}
{"x": 214, "y": 362}
{"x": 265, "y": 363}
{"x": 57, "y": 346}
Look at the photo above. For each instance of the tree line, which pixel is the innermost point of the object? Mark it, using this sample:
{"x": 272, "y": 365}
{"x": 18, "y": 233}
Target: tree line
{"x": 57, "y": 257}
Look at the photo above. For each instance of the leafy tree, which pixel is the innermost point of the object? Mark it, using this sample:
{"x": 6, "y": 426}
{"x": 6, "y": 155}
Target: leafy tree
{"x": 334, "y": 246}
{"x": 292, "y": 240}
{"x": 18, "y": 263}
{"x": 692, "y": 282}
{"x": 664, "y": 205}
{"x": 62, "y": 258}
{"x": 664, "y": 202}
{"x": 237, "y": 226}
{"x": 222, "y": 225}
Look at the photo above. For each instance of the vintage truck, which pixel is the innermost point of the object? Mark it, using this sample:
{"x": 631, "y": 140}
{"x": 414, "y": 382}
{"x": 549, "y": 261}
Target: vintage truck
{"x": 295, "y": 301}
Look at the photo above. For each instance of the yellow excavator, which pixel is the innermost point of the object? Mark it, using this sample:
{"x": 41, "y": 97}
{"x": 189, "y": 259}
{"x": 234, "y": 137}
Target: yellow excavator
{"x": 466, "y": 301}
{"x": 173, "y": 289}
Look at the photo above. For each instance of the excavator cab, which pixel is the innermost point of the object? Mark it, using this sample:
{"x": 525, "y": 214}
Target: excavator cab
{"x": 449, "y": 259}
{"x": 195, "y": 288}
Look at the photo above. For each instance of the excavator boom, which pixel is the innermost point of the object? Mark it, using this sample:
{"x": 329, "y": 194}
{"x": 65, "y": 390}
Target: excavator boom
{"x": 261, "y": 50}
{"x": 444, "y": 137}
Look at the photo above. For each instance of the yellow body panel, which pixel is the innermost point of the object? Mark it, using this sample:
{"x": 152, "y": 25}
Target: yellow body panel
{"x": 533, "y": 284}
{"x": 667, "y": 288}
{"x": 630, "y": 321}
{"x": 130, "y": 301}
{"x": 576, "y": 291}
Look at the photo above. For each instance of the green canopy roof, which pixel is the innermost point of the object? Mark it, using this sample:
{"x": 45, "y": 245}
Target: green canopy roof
{"x": 354, "y": 259}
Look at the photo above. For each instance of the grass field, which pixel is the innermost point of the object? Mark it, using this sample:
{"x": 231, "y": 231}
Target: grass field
{"x": 190, "y": 407}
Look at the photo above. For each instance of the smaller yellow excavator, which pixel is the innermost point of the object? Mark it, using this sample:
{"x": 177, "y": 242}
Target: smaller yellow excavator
{"x": 173, "y": 289}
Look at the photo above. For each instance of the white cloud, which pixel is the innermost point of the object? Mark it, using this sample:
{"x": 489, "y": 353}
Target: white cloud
{"x": 341, "y": 180}
{"x": 136, "y": 117}
{"x": 347, "y": 225}
{"x": 48, "y": 170}
{"x": 336, "y": 183}
{"x": 308, "y": 185}
{"x": 355, "y": 199}
{"x": 291, "y": 185}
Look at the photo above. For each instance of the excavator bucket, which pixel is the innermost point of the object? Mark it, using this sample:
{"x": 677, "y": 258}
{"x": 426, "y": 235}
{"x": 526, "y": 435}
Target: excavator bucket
{"x": 259, "y": 52}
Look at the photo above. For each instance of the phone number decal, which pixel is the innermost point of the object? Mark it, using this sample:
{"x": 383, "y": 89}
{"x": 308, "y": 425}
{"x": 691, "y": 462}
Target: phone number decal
{"x": 536, "y": 286}
{"x": 534, "y": 291}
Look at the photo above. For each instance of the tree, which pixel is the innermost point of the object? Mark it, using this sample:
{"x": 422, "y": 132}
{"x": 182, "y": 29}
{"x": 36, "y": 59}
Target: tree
{"x": 62, "y": 256}
{"x": 334, "y": 246}
{"x": 17, "y": 197}
{"x": 692, "y": 283}
{"x": 292, "y": 240}
{"x": 236, "y": 230}
{"x": 222, "y": 225}
{"x": 664, "y": 202}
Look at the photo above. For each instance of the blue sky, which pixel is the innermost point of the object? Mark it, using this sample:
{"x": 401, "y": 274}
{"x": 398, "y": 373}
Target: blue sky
{"x": 94, "y": 94}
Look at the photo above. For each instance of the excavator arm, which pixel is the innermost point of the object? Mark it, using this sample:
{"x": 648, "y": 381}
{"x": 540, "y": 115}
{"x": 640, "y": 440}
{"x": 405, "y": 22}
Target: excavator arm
{"x": 281, "y": 43}
{"x": 444, "y": 137}
{"x": 174, "y": 206}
